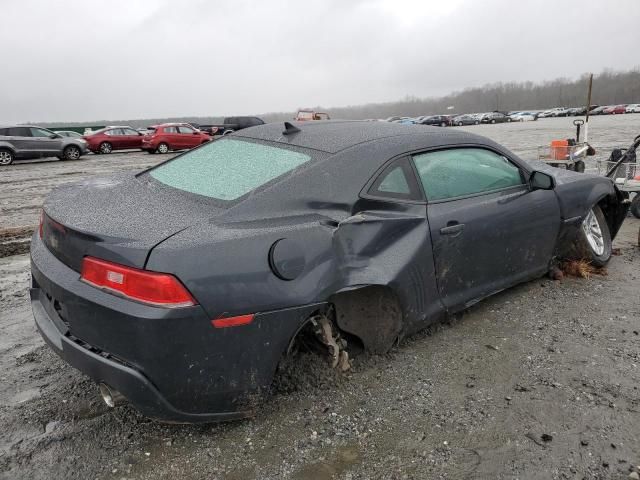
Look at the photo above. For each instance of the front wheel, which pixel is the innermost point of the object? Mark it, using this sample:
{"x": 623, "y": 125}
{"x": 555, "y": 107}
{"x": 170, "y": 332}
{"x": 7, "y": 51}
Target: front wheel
{"x": 163, "y": 148}
{"x": 493, "y": 121}
{"x": 71, "y": 153}
{"x": 594, "y": 239}
{"x": 508, "y": 120}
{"x": 6, "y": 157}
{"x": 443, "y": 124}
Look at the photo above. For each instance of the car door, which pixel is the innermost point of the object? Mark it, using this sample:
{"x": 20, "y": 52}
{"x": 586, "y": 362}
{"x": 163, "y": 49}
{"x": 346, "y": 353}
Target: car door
{"x": 392, "y": 232}
{"x": 44, "y": 143}
{"x": 132, "y": 138}
{"x": 115, "y": 138}
{"x": 188, "y": 139}
{"x": 20, "y": 138}
{"x": 172, "y": 137}
{"x": 489, "y": 229}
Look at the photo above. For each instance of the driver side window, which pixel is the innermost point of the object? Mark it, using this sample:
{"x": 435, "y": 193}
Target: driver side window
{"x": 460, "y": 172}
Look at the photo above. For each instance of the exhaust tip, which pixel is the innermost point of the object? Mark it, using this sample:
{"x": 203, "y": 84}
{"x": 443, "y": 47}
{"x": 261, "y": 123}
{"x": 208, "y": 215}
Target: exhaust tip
{"x": 110, "y": 396}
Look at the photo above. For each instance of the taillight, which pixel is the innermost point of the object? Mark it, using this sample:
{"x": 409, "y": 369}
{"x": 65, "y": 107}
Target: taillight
{"x": 154, "y": 288}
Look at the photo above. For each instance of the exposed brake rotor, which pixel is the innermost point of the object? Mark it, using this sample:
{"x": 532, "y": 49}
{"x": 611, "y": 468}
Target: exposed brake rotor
{"x": 330, "y": 337}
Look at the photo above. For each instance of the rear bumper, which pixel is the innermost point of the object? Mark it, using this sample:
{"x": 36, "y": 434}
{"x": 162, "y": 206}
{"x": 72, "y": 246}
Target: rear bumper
{"x": 101, "y": 367}
{"x": 170, "y": 364}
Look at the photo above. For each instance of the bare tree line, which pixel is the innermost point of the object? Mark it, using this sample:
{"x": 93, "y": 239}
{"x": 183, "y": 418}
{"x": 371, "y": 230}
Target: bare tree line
{"x": 609, "y": 87}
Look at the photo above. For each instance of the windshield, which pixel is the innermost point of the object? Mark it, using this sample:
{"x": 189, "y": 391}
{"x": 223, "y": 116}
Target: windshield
{"x": 227, "y": 169}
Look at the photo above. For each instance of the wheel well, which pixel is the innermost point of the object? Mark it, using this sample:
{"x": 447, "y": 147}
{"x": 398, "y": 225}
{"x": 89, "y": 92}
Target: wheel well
{"x": 372, "y": 313}
{"x": 9, "y": 149}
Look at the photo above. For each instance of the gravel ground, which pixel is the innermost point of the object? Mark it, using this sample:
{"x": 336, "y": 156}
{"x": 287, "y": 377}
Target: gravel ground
{"x": 540, "y": 381}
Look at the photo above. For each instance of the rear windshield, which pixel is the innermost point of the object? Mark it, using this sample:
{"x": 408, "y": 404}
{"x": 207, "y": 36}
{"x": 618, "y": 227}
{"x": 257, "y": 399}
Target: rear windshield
{"x": 226, "y": 169}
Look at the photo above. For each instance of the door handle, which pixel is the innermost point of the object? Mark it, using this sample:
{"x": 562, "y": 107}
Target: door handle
{"x": 452, "y": 228}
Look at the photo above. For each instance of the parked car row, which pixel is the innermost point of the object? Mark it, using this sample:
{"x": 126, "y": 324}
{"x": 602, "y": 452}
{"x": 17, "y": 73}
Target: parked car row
{"x": 593, "y": 110}
{"x": 454, "y": 120}
{"x": 159, "y": 138}
{"x": 513, "y": 116}
{"x": 31, "y": 142}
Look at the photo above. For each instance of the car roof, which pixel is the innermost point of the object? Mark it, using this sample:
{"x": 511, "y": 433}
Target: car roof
{"x": 332, "y": 136}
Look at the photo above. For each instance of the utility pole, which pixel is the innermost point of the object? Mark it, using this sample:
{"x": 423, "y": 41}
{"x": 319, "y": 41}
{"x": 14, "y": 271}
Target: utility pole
{"x": 586, "y": 120}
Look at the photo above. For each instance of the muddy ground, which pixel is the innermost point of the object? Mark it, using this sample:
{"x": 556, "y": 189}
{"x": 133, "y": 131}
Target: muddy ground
{"x": 540, "y": 381}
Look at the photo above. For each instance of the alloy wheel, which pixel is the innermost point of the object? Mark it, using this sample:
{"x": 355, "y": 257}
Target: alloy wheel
{"x": 6, "y": 158}
{"x": 593, "y": 232}
{"x": 72, "y": 153}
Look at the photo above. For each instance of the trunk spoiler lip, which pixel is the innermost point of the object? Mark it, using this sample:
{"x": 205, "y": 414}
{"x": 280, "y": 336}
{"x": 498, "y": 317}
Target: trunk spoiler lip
{"x": 146, "y": 260}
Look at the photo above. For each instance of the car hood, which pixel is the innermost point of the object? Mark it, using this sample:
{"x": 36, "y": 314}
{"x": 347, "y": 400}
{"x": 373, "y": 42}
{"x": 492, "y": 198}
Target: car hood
{"x": 118, "y": 218}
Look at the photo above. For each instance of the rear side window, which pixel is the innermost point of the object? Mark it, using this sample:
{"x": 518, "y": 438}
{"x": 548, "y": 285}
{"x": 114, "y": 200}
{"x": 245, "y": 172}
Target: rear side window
{"x": 170, "y": 130}
{"x": 464, "y": 171}
{"x": 397, "y": 181}
{"x": 19, "y": 132}
{"x": 227, "y": 169}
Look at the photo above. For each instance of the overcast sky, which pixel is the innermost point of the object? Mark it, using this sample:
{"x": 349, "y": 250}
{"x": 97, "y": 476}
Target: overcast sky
{"x": 69, "y": 60}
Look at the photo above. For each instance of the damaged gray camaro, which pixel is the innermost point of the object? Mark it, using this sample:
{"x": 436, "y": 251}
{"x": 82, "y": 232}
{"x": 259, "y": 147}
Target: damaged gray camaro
{"x": 181, "y": 288}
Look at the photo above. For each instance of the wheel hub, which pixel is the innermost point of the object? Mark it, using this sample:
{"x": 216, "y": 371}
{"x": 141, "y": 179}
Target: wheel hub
{"x": 593, "y": 232}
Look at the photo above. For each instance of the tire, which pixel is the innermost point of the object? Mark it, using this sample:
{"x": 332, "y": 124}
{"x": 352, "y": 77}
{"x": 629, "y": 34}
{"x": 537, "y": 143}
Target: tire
{"x": 443, "y": 124}
{"x": 105, "y": 147}
{"x": 162, "y": 148}
{"x": 71, "y": 153}
{"x": 522, "y": 119}
{"x": 594, "y": 239}
{"x": 493, "y": 120}
{"x": 459, "y": 124}
{"x": 476, "y": 122}
{"x": 508, "y": 120}
{"x": 579, "y": 166}
{"x": 635, "y": 206}
{"x": 6, "y": 157}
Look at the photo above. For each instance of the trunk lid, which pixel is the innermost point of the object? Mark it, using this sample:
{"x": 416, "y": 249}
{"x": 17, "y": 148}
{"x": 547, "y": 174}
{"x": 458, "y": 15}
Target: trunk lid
{"x": 119, "y": 219}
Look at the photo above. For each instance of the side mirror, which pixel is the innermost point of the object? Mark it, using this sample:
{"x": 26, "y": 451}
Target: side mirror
{"x": 196, "y": 132}
{"x": 541, "y": 181}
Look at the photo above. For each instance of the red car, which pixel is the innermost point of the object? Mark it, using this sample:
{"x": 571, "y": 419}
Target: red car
{"x": 615, "y": 109}
{"x": 173, "y": 136}
{"x": 109, "y": 139}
